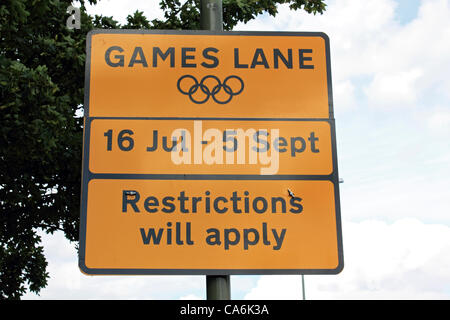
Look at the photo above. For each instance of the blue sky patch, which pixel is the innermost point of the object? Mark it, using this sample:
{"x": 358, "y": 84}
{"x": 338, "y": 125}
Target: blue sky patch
{"x": 406, "y": 10}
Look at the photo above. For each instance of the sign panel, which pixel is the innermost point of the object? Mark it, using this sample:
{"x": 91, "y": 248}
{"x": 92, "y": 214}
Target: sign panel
{"x": 188, "y": 225}
{"x": 210, "y": 147}
{"x": 238, "y": 75}
{"x": 209, "y": 153}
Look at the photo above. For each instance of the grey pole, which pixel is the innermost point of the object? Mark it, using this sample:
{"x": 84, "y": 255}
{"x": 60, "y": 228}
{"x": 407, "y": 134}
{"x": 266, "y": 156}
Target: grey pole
{"x": 211, "y": 18}
{"x": 218, "y": 287}
{"x": 303, "y": 286}
{"x": 211, "y": 15}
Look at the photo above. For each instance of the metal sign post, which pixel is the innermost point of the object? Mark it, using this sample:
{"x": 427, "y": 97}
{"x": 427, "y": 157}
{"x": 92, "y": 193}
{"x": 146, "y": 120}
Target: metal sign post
{"x": 211, "y": 18}
{"x": 211, "y": 15}
{"x": 303, "y": 287}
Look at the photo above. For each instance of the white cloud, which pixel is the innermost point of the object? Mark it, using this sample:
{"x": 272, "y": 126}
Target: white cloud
{"x": 397, "y": 89}
{"x": 393, "y": 197}
{"x": 191, "y": 297}
{"x": 438, "y": 120}
{"x": 412, "y": 62}
{"x": 344, "y": 95}
{"x": 120, "y": 9}
{"x": 404, "y": 260}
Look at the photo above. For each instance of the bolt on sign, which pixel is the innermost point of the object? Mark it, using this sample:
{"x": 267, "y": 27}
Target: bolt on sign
{"x": 209, "y": 153}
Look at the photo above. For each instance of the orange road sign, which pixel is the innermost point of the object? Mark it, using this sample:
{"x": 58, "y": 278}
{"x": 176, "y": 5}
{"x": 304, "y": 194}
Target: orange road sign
{"x": 209, "y": 152}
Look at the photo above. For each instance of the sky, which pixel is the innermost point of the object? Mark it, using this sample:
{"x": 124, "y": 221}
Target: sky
{"x": 391, "y": 91}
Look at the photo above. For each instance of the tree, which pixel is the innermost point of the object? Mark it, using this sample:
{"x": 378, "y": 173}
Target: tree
{"x": 41, "y": 99}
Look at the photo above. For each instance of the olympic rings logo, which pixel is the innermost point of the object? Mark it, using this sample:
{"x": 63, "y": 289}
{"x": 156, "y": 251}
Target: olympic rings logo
{"x": 201, "y": 96}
